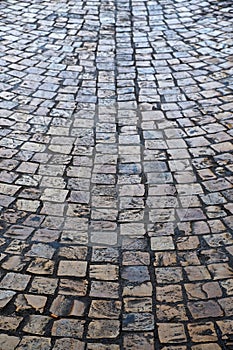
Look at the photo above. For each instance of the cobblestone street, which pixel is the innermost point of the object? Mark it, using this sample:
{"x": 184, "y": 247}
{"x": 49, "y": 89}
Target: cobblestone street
{"x": 116, "y": 175}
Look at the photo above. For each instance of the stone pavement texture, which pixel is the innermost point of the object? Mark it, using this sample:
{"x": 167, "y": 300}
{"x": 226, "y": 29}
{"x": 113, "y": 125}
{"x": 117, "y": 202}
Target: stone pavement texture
{"x": 116, "y": 175}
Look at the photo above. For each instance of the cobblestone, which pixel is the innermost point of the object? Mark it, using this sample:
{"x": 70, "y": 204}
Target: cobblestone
{"x": 116, "y": 175}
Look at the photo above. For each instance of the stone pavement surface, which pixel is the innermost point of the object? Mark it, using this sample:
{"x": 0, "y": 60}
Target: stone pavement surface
{"x": 116, "y": 175}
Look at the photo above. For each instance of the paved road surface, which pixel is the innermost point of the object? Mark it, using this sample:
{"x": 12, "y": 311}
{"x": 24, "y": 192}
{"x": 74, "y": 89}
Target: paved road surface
{"x": 116, "y": 175}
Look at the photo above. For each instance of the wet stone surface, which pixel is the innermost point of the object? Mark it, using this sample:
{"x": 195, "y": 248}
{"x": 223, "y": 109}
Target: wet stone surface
{"x": 116, "y": 175}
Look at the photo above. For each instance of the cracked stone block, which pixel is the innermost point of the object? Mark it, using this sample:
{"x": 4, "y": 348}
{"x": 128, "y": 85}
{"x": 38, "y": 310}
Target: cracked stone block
{"x": 136, "y": 258}
{"x": 104, "y": 289}
{"x": 171, "y": 312}
{"x": 137, "y": 274}
{"x": 187, "y": 243}
{"x": 220, "y": 271}
{"x": 66, "y": 306}
{"x": 5, "y": 297}
{"x": 104, "y": 238}
{"x": 138, "y": 321}
{"x": 132, "y": 229}
{"x": 214, "y": 256}
{"x": 68, "y": 344}
{"x": 37, "y": 324}
{"x": 41, "y": 250}
{"x": 190, "y": 214}
{"x": 188, "y": 258}
{"x": 29, "y": 301}
{"x": 218, "y": 239}
{"x": 169, "y": 293}
{"x": 217, "y": 185}
{"x": 71, "y": 287}
{"x": 27, "y": 205}
{"x": 204, "y": 309}
{"x": 41, "y": 266}
{"x": 171, "y": 333}
{"x": 15, "y": 281}
{"x": 8, "y": 323}
{"x": 54, "y": 195}
{"x": 135, "y": 305}
{"x": 226, "y": 328}
{"x": 196, "y": 291}
{"x": 18, "y": 232}
{"x": 143, "y": 289}
{"x": 165, "y": 259}
{"x": 167, "y": 275}
{"x": 46, "y": 235}
{"x": 162, "y": 243}
{"x": 73, "y": 252}
{"x": 103, "y": 329}
{"x": 202, "y": 332}
{"x": 104, "y": 272}
{"x": 105, "y": 309}
{"x": 70, "y": 328}
{"x": 137, "y": 341}
{"x": 228, "y": 286}
{"x": 162, "y": 215}
{"x": 195, "y": 273}
{"x": 72, "y": 268}
{"x": 16, "y": 247}
{"x": 8, "y": 342}
{"x": 35, "y": 343}
{"x": 226, "y": 305}
{"x": 43, "y": 285}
